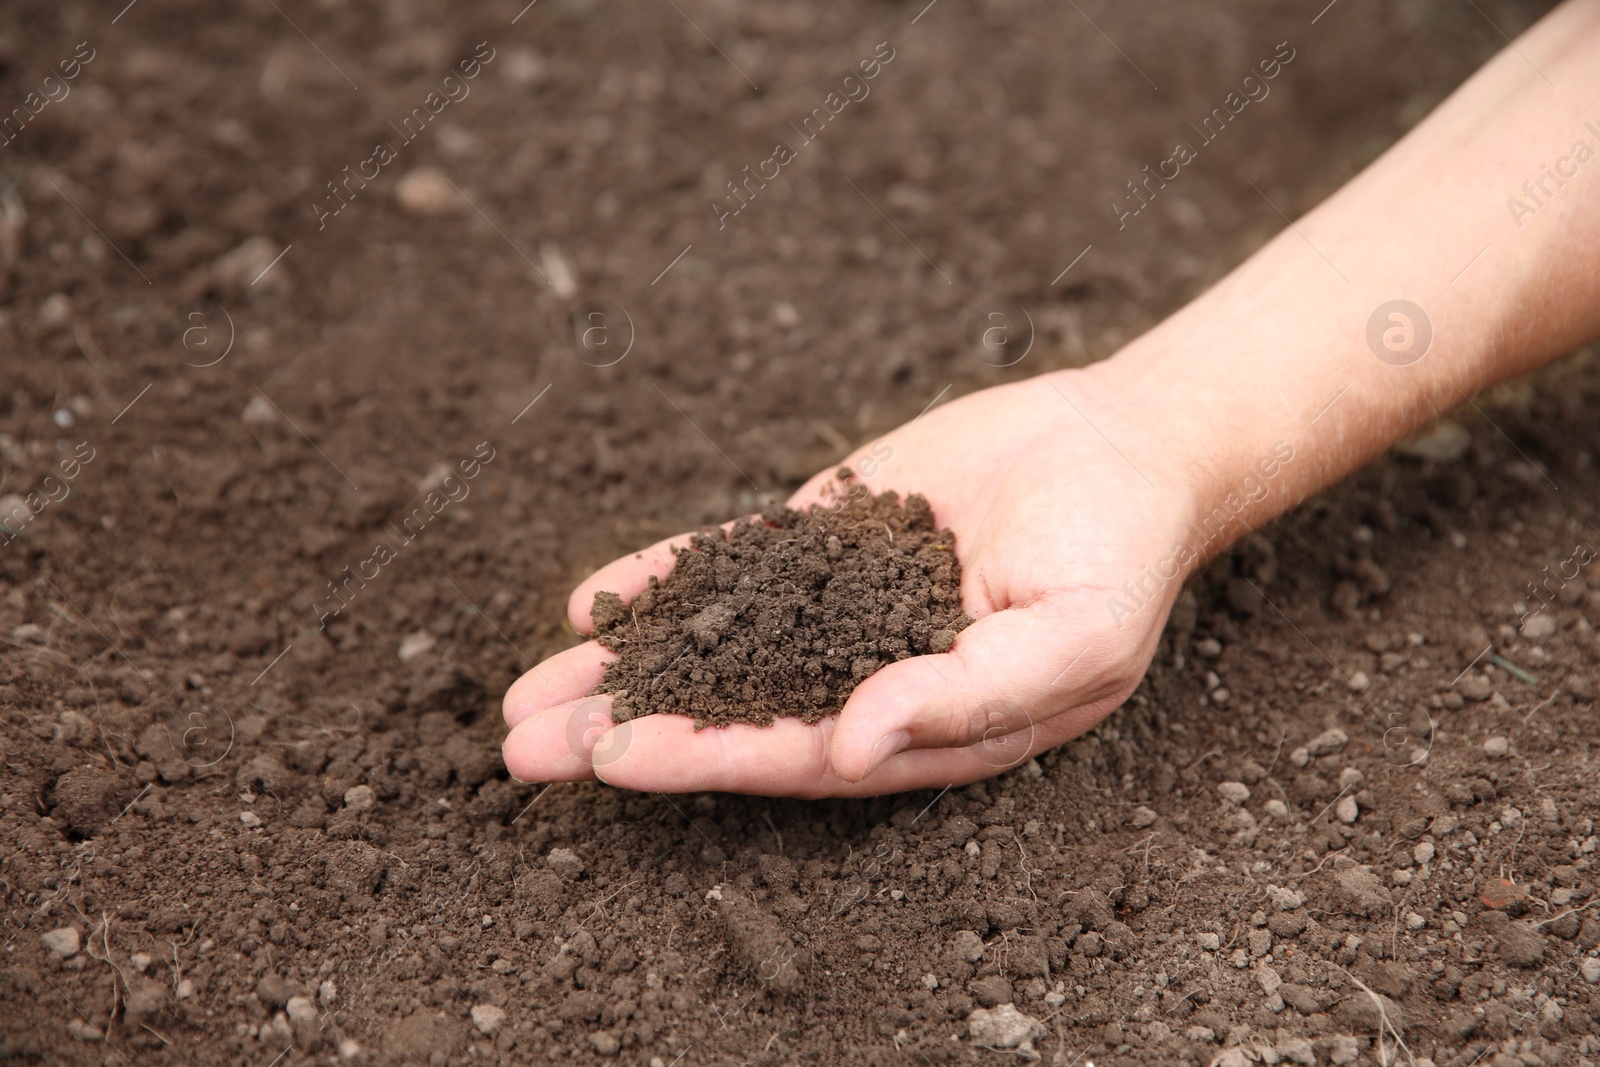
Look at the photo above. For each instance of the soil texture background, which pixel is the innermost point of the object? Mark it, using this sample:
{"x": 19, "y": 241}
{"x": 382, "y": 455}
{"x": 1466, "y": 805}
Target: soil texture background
{"x": 312, "y": 440}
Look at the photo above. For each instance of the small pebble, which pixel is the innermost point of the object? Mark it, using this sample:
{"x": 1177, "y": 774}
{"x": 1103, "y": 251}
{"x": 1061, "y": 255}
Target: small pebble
{"x": 250, "y": 819}
{"x": 1444, "y": 442}
{"x": 1423, "y": 853}
{"x": 1343, "y": 1049}
{"x": 523, "y": 67}
{"x": 1347, "y": 809}
{"x": 1415, "y": 921}
{"x": 565, "y": 860}
{"x": 300, "y": 1009}
{"x": 966, "y": 945}
{"x": 1208, "y": 941}
{"x": 1496, "y": 747}
{"x": 1328, "y": 742}
{"x": 1208, "y": 647}
{"x": 415, "y": 645}
{"x": 1234, "y": 792}
{"x": 259, "y": 411}
{"x": 1277, "y": 808}
{"x": 1359, "y": 682}
{"x": 1004, "y": 1027}
{"x": 1539, "y": 627}
{"x": 1285, "y": 899}
{"x": 55, "y": 311}
{"x": 1350, "y": 778}
{"x": 605, "y": 1042}
{"x": 64, "y": 942}
{"x": 1591, "y": 970}
{"x": 1297, "y": 1050}
{"x": 360, "y": 798}
{"x": 83, "y": 1031}
{"x": 426, "y": 191}
{"x": 488, "y": 1018}
{"x": 1300, "y": 757}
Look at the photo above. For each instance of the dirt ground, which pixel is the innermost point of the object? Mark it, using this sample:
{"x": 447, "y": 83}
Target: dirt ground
{"x": 251, "y": 801}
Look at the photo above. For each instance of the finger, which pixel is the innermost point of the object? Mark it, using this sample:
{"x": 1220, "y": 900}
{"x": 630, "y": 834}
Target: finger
{"x": 559, "y": 744}
{"x": 666, "y": 754}
{"x": 627, "y": 577}
{"x": 565, "y": 676}
{"x": 1007, "y": 674}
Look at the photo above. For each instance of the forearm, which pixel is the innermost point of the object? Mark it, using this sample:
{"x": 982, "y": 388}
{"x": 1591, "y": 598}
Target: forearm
{"x": 1278, "y": 354}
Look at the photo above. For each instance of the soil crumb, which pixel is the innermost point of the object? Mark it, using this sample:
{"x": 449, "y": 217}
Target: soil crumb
{"x": 785, "y": 615}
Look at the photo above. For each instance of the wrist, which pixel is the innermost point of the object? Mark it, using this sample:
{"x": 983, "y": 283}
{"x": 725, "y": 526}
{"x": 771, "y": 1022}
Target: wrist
{"x": 1233, "y": 393}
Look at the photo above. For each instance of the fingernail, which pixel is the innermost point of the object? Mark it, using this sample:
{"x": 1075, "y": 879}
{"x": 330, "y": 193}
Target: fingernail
{"x": 889, "y": 745}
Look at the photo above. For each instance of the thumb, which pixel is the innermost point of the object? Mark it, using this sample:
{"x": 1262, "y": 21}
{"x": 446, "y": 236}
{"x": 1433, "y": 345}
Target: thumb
{"x": 1007, "y": 673}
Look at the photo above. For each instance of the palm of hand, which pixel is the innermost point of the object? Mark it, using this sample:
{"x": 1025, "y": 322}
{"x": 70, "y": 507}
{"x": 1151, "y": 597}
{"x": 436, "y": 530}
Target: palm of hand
{"x": 1051, "y": 519}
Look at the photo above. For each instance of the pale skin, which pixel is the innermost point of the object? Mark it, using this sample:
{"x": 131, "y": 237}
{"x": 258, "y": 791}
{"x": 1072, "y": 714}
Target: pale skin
{"x": 1062, "y": 488}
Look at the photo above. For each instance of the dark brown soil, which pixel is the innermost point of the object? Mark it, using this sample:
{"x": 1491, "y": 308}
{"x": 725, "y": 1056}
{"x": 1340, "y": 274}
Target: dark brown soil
{"x": 784, "y": 615}
{"x": 239, "y": 828}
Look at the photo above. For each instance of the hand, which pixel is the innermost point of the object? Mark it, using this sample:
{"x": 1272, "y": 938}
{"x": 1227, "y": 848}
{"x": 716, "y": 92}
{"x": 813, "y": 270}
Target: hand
{"x": 1074, "y": 496}
{"x": 1052, "y": 512}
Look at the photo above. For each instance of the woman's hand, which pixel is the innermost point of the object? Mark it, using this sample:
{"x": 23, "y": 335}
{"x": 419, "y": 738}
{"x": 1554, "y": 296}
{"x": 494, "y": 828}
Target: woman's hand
{"x": 1072, "y": 509}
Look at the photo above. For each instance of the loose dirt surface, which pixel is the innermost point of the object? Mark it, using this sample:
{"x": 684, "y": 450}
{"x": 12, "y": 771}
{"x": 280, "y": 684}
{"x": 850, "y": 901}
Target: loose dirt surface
{"x": 785, "y": 615}
{"x": 324, "y": 461}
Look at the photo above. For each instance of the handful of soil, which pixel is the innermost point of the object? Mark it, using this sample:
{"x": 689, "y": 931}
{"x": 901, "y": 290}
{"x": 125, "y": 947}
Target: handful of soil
{"x": 785, "y": 615}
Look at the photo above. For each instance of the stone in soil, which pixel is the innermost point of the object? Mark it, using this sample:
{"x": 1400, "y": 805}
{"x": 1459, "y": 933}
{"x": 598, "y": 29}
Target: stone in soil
{"x": 1003, "y": 1027}
{"x": 64, "y": 942}
{"x": 785, "y": 615}
{"x": 488, "y": 1018}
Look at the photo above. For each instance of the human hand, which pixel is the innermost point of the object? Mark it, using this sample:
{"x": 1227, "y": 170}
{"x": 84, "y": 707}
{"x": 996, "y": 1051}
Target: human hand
{"x": 1063, "y": 488}
{"x": 1052, "y": 514}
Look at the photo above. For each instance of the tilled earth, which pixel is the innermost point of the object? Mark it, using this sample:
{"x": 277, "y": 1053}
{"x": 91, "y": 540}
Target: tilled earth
{"x": 307, "y": 471}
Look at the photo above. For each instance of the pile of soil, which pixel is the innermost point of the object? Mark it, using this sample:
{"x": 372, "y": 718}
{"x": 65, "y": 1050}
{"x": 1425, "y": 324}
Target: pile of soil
{"x": 785, "y": 615}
